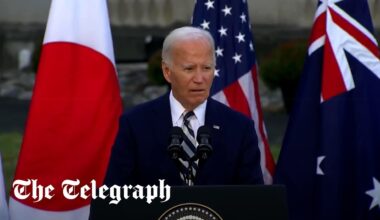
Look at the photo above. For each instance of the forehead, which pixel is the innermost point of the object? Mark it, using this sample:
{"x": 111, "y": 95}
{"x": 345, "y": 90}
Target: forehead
{"x": 191, "y": 44}
{"x": 194, "y": 48}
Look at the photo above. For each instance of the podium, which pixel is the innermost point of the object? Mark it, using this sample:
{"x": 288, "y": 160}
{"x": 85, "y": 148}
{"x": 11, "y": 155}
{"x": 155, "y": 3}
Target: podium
{"x": 259, "y": 202}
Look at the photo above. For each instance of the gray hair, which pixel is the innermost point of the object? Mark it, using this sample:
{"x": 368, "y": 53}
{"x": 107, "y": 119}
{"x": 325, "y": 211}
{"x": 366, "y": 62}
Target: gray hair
{"x": 185, "y": 33}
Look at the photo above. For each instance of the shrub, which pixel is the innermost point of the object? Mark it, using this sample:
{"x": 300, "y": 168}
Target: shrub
{"x": 155, "y": 75}
{"x": 282, "y": 68}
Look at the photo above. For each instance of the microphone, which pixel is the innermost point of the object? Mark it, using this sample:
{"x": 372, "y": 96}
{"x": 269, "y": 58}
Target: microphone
{"x": 204, "y": 148}
{"x": 175, "y": 148}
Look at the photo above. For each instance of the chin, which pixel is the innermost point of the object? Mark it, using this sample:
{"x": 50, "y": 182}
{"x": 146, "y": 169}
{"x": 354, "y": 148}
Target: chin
{"x": 197, "y": 102}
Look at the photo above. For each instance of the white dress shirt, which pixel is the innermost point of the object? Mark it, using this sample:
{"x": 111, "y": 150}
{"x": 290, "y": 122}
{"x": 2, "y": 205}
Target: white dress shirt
{"x": 178, "y": 112}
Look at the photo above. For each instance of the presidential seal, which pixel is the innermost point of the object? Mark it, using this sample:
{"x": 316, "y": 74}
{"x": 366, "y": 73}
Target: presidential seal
{"x": 190, "y": 211}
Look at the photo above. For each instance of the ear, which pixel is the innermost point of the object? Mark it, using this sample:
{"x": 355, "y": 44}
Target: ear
{"x": 166, "y": 71}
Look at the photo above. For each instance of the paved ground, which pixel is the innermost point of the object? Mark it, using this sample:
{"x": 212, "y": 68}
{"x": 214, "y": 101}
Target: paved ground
{"x": 13, "y": 114}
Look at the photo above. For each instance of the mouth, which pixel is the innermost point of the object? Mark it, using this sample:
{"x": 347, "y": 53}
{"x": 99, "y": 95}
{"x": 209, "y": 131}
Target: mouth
{"x": 197, "y": 91}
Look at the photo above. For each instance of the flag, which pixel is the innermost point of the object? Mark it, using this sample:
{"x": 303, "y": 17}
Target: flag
{"x": 235, "y": 83}
{"x": 329, "y": 160}
{"x": 73, "y": 116}
{"x": 4, "y": 214}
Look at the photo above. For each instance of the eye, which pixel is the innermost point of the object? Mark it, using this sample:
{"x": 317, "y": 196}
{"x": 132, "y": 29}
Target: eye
{"x": 207, "y": 67}
{"x": 188, "y": 68}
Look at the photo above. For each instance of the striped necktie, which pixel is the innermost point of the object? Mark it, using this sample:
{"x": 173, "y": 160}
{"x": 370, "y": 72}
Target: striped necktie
{"x": 189, "y": 146}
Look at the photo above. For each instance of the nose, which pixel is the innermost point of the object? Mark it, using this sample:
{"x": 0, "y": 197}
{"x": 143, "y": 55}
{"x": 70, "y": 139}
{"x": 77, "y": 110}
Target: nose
{"x": 198, "y": 76}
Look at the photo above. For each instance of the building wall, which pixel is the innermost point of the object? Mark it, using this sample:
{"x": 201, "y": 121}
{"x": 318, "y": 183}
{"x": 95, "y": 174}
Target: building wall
{"x": 297, "y": 13}
{"x": 24, "y": 11}
{"x": 22, "y": 25}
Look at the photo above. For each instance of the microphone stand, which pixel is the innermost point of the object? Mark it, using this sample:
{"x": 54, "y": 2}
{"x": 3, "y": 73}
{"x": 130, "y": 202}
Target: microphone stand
{"x": 176, "y": 152}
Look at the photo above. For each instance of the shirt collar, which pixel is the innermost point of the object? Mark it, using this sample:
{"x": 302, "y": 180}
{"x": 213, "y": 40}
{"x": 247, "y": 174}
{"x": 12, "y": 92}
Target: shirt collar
{"x": 177, "y": 110}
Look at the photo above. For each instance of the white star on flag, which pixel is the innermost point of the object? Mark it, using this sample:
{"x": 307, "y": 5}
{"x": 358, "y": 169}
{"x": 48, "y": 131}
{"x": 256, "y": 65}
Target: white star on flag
{"x": 374, "y": 193}
{"x": 216, "y": 72}
{"x": 227, "y": 10}
{"x": 240, "y": 37}
{"x": 237, "y": 58}
{"x": 209, "y": 4}
{"x": 251, "y": 46}
{"x": 219, "y": 52}
{"x": 205, "y": 25}
{"x": 319, "y": 161}
{"x": 243, "y": 18}
{"x": 222, "y": 31}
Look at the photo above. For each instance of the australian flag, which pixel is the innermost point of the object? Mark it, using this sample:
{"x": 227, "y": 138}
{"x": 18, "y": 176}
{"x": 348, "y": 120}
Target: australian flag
{"x": 330, "y": 159}
{"x": 235, "y": 83}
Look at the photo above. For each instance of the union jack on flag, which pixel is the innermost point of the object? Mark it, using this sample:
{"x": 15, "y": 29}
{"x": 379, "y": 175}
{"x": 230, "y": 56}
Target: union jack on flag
{"x": 235, "y": 83}
{"x": 329, "y": 160}
{"x": 338, "y": 31}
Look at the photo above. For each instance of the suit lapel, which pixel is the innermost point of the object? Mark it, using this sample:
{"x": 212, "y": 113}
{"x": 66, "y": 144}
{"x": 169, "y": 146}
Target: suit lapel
{"x": 213, "y": 121}
{"x": 163, "y": 116}
{"x": 163, "y": 121}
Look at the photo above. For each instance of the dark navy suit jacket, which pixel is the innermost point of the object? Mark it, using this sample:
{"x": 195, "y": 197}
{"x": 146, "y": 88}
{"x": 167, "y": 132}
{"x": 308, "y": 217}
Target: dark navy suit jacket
{"x": 139, "y": 155}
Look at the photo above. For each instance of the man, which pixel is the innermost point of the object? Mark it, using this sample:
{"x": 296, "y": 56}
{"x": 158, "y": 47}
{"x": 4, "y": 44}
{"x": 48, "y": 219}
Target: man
{"x": 140, "y": 155}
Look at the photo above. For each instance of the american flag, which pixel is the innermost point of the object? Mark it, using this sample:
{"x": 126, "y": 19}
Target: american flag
{"x": 235, "y": 83}
{"x": 329, "y": 160}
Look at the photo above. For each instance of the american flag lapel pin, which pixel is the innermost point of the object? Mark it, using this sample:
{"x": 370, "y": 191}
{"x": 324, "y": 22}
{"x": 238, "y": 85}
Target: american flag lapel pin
{"x": 216, "y": 127}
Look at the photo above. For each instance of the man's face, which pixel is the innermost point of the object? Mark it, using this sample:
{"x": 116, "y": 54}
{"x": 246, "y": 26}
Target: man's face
{"x": 191, "y": 72}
